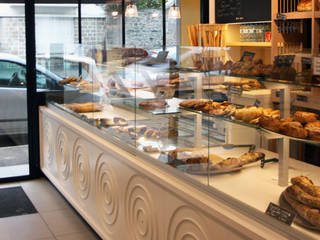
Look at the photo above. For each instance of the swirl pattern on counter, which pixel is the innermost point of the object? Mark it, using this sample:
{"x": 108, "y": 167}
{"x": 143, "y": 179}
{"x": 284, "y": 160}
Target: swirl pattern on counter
{"x": 62, "y": 154}
{"x": 106, "y": 192}
{"x": 48, "y": 136}
{"x": 184, "y": 224}
{"x": 81, "y": 170}
{"x": 140, "y": 212}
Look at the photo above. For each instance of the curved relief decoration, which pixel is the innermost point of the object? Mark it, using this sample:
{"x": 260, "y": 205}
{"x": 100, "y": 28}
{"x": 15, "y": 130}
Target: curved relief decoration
{"x": 81, "y": 169}
{"x": 186, "y": 224}
{"x": 140, "y": 212}
{"x": 106, "y": 193}
{"x": 62, "y": 154}
{"x": 48, "y": 136}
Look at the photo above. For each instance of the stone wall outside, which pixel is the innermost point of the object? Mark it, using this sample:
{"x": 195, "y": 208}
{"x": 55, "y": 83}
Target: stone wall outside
{"x": 12, "y": 35}
{"x": 143, "y": 31}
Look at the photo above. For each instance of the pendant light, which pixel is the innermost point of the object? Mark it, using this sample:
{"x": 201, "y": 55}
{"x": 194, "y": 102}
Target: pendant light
{"x": 131, "y": 10}
{"x": 114, "y": 14}
{"x": 174, "y": 12}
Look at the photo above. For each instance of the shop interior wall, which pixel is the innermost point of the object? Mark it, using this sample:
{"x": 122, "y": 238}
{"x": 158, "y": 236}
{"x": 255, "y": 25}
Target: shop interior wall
{"x": 190, "y": 14}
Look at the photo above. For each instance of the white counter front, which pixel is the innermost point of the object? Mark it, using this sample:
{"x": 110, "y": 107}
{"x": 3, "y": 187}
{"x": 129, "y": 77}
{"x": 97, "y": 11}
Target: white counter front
{"x": 124, "y": 196}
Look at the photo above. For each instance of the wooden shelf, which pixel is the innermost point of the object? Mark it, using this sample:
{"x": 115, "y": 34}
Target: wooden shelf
{"x": 298, "y": 15}
{"x": 248, "y": 44}
{"x": 317, "y": 14}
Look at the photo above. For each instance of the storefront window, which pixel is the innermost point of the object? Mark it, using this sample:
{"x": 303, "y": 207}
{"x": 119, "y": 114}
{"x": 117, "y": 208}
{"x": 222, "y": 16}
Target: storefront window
{"x": 145, "y": 30}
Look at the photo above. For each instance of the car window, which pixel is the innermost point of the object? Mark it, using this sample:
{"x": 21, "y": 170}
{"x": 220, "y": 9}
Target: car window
{"x": 41, "y": 80}
{"x": 12, "y": 74}
{"x": 72, "y": 69}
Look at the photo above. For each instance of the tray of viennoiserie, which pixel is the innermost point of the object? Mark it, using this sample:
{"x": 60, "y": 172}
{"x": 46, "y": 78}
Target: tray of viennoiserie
{"x": 303, "y": 197}
{"x": 301, "y": 125}
{"x": 80, "y": 83}
{"x": 197, "y": 161}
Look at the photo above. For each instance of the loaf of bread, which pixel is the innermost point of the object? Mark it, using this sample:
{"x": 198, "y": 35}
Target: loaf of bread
{"x": 311, "y": 215}
{"x": 246, "y": 158}
{"x": 304, "y": 6}
{"x": 313, "y": 129}
{"x": 85, "y": 107}
{"x": 306, "y": 185}
{"x": 270, "y": 123}
{"x": 299, "y": 195}
{"x": 293, "y": 129}
{"x": 305, "y": 117}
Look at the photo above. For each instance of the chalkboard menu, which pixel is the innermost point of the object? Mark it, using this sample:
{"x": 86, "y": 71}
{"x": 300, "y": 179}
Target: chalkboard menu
{"x": 231, "y": 11}
{"x": 228, "y": 10}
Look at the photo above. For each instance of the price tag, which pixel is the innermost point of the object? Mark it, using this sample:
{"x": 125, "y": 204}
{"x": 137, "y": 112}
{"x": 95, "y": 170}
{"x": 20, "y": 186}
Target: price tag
{"x": 235, "y": 91}
{"x": 257, "y": 103}
{"x": 316, "y": 66}
{"x": 281, "y": 214}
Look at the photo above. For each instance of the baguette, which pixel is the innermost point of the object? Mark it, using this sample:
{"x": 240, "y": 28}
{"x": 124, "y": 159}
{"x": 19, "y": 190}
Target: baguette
{"x": 246, "y": 158}
{"x": 85, "y": 107}
{"x": 309, "y": 214}
{"x": 306, "y": 185}
{"x": 299, "y": 195}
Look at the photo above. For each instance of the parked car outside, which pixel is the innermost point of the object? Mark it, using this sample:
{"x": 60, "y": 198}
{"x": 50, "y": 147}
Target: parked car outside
{"x": 13, "y": 99}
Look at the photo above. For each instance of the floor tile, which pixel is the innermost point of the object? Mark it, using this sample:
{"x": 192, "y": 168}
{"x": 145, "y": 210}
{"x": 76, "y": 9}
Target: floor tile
{"x": 37, "y": 185}
{"x": 78, "y": 236}
{"x": 47, "y": 201}
{"x": 64, "y": 222}
{"x": 27, "y": 227}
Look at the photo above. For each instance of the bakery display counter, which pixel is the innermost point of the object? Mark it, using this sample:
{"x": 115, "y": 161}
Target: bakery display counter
{"x": 249, "y": 188}
{"x": 221, "y": 154}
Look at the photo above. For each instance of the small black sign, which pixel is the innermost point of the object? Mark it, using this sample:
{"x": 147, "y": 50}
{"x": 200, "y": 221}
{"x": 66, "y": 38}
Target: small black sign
{"x": 284, "y": 60}
{"x": 302, "y": 98}
{"x": 280, "y": 214}
{"x": 257, "y": 103}
{"x": 281, "y": 17}
{"x": 247, "y": 54}
{"x": 162, "y": 56}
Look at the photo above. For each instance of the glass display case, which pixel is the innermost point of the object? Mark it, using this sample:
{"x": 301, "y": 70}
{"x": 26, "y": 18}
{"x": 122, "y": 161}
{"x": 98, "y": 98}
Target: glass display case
{"x": 236, "y": 123}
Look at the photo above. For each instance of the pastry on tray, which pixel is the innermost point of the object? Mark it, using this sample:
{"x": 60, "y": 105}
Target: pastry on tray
{"x": 293, "y": 129}
{"x": 304, "y": 197}
{"x": 305, "y": 117}
{"x": 313, "y": 129}
{"x": 246, "y": 158}
{"x": 153, "y": 104}
{"x": 118, "y": 121}
{"x": 151, "y": 149}
{"x": 85, "y": 107}
{"x": 197, "y": 160}
{"x": 68, "y": 80}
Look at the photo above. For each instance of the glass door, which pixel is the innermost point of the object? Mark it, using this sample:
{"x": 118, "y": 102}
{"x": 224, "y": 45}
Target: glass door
{"x": 14, "y": 158}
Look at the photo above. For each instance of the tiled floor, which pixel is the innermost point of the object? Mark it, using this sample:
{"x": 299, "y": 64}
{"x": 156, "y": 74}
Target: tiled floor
{"x": 55, "y": 218}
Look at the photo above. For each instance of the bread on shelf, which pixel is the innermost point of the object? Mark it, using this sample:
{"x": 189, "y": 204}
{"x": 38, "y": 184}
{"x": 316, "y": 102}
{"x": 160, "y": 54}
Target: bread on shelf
{"x": 305, "y": 117}
{"x": 85, "y": 107}
{"x": 293, "y": 129}
{"x": 313, "y": 129}
{"x": 304, "y": 198}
